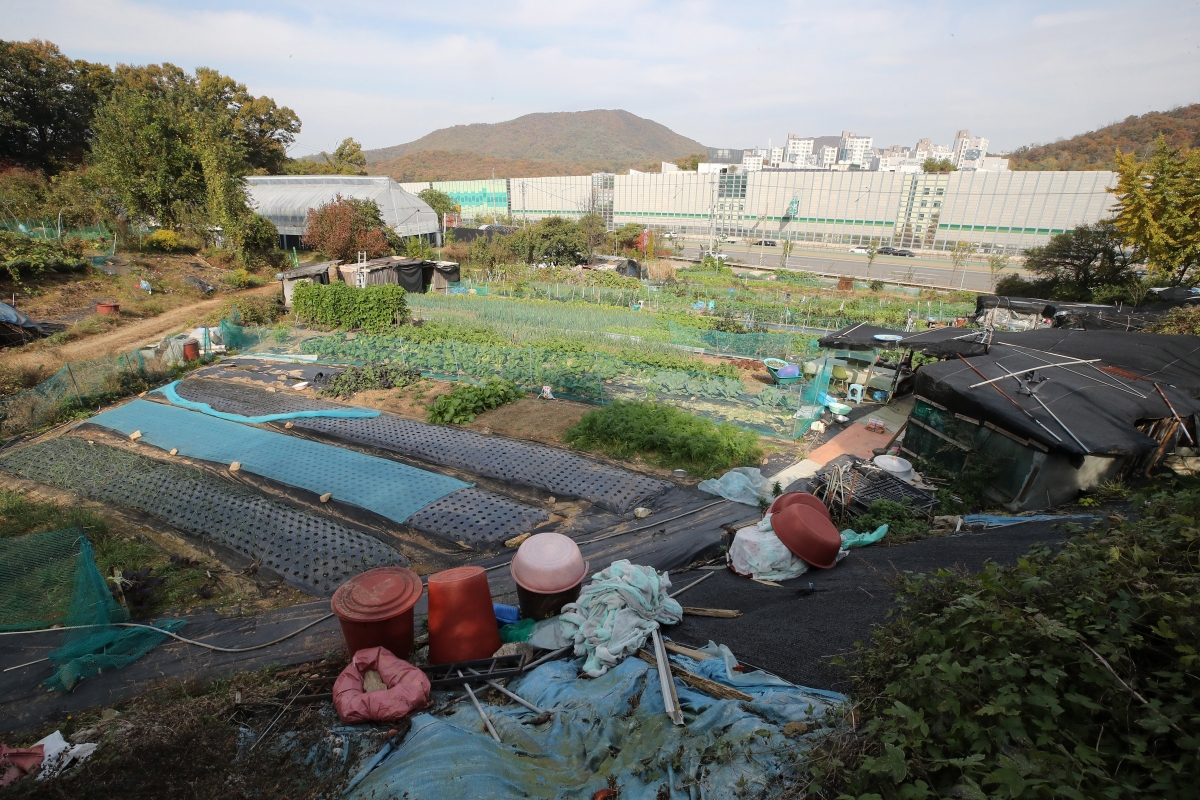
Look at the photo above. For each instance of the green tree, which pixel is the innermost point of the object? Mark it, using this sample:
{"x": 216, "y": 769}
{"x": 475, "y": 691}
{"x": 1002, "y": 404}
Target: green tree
{"x": 997, "y": 262}
{"x": 938, "y": 165}
{"x": 872, "y": 254}
{"x": 47, "y": 102}
{"x": 347, "y": 159}
{"x": 594, "y": 230}
{"x": 440, "y": 202}
{"x": 1075, "y": 263}
{"x": 173, "y": 147}
{"x": 1158, "y": 210}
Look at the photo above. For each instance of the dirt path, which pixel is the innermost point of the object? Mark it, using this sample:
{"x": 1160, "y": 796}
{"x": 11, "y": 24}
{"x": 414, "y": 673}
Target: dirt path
{"x": 120, "y": 340}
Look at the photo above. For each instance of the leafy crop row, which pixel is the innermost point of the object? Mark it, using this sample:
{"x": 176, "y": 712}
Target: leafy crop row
{"x": 370, "y": 376}
{"x": 467, "y": 401}
{"x": 340, "y": 305}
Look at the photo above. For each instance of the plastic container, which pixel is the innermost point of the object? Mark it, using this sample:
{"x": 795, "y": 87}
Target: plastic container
{"x": 462, "y": 620}
{"x": 375, "y": 609}
{"x": 798, "y": 498}
{"x": 191, "y": 350}
{"x": 549, "y": 570}
{"x": 808, "y": 534}
{"x": 107, "y": 309}
{"x": 902, "y": 468}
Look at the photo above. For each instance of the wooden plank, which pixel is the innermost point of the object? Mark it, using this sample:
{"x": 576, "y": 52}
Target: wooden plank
{"x": 939, "y": 434}
{"x": 719, "y": 613}
{"x": 711, "y": 688}
{"x": 680, "y": 650}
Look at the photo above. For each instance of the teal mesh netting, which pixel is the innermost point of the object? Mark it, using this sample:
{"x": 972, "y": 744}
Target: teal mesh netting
{"x": 750, "y": 345}
{"x": 51, "y": 579}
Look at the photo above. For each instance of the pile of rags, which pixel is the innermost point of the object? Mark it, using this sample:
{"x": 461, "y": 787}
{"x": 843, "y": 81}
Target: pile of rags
{"x": 615, "y": 614}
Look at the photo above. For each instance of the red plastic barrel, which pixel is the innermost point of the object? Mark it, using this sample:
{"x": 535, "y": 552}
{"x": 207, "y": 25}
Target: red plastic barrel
{"x": 375, "y": 609}
{"x": 191, "y": 350}
{"x": 462, "y": 622}
{"x": 105, "y": 309}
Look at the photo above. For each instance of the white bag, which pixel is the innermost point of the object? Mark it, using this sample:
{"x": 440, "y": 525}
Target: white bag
{"x": 757, "y": 552}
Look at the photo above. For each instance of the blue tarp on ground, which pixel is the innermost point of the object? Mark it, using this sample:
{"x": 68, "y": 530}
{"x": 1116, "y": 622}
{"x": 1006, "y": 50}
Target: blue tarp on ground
{"x": 393, "y": 490}
{"x": 175, "y": 399}
{"x": 613, "y": 725}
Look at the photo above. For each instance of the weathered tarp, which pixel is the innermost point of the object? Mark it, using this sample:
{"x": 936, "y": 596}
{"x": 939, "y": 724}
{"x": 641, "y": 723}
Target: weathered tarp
{"x": 930, "y": 341}
{"x": 1098, "y": 408}
{"x": 1166, "y": 359}
{"x": 607, "y": 727}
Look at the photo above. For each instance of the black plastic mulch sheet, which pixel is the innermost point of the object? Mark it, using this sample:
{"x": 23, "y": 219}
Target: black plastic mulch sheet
{"x": 547, "y": 468}
{"x": 1097, "y": 412}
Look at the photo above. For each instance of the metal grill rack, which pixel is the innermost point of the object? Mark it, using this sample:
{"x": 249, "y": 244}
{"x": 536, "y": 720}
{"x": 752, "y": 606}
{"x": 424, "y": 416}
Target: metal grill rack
{"x": 544, "y": 468}
{"x": 872, "y": 483}
{"x": 312, "y": 553}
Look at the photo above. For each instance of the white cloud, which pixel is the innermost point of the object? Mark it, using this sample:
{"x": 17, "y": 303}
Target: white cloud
{"x": 386, "y": 73}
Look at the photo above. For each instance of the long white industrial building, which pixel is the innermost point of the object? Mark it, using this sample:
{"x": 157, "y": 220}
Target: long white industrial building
{"x": 1001, "y": 212}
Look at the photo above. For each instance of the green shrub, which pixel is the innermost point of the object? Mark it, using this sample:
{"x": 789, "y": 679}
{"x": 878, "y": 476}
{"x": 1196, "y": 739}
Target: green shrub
{"x": 1185, "y": 320}
{"x": 162, "y": 241}
{"x": 20, "y": 254}
{"x": 370, "y": 376}
{"x": 1071, "y": 674}
{"x": 252, "y": 309}
{"x": 666, "y": 436}
{"x": 465, "y": 402}
{"x": 339, "y": 305}
{"x": 903, "y": 524}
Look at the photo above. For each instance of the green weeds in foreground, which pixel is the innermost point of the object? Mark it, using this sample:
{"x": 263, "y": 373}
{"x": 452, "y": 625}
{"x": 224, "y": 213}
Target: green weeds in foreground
{"x": 1072, "y": 674}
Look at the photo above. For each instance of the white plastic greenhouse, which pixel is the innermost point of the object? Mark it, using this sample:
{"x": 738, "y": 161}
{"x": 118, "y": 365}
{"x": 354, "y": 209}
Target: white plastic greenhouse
{"x": 286, "y": 199}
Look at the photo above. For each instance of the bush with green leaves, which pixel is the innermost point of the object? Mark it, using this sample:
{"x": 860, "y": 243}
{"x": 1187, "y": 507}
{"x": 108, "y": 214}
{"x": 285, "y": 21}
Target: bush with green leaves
{"x": 1071, "y": 674}
{"x": 665, "y": 436}
{"x": 468, "y": 401}
{"x": 370, "y": 376}
{"x": 904, "y": 525}
{"x": 22, "y": 256}
{"x": 340, "y": 305}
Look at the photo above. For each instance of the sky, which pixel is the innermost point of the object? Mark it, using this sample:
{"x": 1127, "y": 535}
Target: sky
{"x": 729, "y": 75}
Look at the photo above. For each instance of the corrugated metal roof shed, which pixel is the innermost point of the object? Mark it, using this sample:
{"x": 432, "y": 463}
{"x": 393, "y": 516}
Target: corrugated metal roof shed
{"x": 286, "y": 199}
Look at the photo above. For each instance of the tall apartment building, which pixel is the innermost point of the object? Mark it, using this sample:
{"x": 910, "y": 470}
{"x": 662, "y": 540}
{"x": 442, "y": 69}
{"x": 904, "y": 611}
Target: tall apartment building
{"x": 855, "y": 150}
{"x": 968, "y": 152}
{"x": 826, "y": 157}
{"x": 797, "y": 150}
{"x": 776, "y": 158}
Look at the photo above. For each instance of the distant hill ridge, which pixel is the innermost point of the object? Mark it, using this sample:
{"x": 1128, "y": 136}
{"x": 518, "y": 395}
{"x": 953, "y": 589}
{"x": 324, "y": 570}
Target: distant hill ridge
{"x": 578, "y": 140}
{"x": 1095, "y": 149}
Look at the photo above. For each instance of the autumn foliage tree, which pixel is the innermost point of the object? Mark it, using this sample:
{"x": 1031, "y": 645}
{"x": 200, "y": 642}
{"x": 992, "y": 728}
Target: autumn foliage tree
{"x": 347, "y": 226}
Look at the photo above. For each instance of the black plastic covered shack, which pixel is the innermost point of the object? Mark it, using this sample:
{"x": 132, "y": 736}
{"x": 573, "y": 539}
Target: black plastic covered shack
{"x": 1044, "y": 424}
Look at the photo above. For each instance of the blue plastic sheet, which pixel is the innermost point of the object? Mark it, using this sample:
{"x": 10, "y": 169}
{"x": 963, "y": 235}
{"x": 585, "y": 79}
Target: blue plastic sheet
{"x": 613, "y": 725}
{"x": 169, "y": 392}
{"x": 393, "y": 490}
{"x": 992, "y": 521}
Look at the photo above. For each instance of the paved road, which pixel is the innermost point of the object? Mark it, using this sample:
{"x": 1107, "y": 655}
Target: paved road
{"x": 920, "y": 271}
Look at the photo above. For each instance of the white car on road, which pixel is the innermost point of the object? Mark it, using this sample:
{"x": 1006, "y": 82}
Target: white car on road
{"x": 859, "y": 249}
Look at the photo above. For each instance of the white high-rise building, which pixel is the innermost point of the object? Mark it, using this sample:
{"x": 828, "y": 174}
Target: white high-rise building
{"x": 826, "y": 157}
{"x": 968, "y": 152}
{"x": 752, "y": 160}
{"x": 797, "y": 150}
{"x": 855, "y": 150}
{"x": 776, "y": 159}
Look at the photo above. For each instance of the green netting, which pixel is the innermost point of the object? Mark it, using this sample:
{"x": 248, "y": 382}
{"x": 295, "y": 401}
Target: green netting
{"x": 79, "y": 383}
{"x": 51, "y": 579}
{"x": 593, "y": 376}
{"x": 749, "y": 345}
